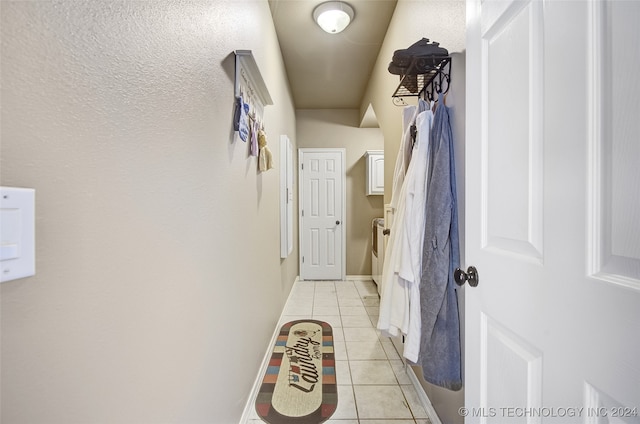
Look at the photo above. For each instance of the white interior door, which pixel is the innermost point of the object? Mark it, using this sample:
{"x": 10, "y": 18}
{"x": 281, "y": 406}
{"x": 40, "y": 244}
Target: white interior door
{"x": 553, "y": 212}
{"x": 322, "y": 212}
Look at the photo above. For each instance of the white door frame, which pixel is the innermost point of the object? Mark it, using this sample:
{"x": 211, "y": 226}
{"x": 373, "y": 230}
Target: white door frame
{"x": 301, "y": 153}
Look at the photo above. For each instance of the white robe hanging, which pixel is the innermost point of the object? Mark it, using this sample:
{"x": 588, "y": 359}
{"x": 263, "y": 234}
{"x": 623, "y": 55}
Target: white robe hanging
{"x": 403, "y": 158}
{"x": 410, "y": 261}
{"x": 392, "y": 297}
{"x": 395, "y": 296}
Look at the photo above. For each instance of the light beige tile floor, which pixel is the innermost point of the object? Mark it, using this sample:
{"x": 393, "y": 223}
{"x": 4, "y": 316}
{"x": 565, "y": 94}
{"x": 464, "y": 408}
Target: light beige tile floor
{"x": 373, "y": 386}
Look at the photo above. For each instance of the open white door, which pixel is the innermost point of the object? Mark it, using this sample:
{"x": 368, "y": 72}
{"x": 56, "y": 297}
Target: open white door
{"x": 322, "y": 212}
{"x": 553, "y": 212}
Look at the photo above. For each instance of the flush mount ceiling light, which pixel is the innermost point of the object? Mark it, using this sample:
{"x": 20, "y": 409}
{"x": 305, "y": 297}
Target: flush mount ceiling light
{"x": 333, "y": 16}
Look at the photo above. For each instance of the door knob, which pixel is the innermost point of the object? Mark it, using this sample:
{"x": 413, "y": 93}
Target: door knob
{"x": 337, "y": 222}
{"x": 471, "y": 276}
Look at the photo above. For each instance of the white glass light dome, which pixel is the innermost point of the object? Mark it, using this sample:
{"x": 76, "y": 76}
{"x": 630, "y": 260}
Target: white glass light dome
{"x": 333, "y": 16}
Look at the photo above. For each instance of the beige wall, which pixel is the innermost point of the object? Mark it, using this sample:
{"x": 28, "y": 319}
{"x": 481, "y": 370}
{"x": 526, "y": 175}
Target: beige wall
{"x": 444, "y": 22}
{"x": 159, "y": 281}
{"x": 339, "y": 128}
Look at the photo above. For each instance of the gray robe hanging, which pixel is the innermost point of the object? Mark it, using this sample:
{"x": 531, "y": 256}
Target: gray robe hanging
{"x": 440, "y": 340}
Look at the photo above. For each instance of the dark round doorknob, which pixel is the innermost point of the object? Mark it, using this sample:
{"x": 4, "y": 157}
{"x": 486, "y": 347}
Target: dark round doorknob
{"x": 337, "y": 222}
{"x": 471, "y": 276}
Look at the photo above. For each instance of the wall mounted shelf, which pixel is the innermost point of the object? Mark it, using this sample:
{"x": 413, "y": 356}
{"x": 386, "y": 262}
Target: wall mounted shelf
{"x": 248, "y": 80}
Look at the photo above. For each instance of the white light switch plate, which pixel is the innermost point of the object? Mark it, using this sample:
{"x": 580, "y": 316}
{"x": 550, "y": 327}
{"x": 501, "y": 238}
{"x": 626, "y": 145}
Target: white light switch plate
{"x": 17, "y": 233}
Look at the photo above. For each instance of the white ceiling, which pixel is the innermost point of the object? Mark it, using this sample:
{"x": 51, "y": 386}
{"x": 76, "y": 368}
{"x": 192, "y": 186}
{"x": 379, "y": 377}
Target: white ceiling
{"x": 330, "y": 71}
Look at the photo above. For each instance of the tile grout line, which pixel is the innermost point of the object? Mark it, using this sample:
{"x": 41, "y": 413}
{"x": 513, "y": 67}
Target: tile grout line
{"x": 353, "y": 386}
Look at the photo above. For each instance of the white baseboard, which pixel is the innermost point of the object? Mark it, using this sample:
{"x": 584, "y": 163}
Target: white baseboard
{"x": 359, "y": 277}
{"x": 346, "y": 278}
{"x": 248, "y": 408}
{"x": 422, "y": 396}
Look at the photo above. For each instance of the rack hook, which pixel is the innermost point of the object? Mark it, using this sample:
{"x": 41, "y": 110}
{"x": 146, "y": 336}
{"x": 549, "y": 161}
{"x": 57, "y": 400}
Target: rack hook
{"x": 399, "y": 101}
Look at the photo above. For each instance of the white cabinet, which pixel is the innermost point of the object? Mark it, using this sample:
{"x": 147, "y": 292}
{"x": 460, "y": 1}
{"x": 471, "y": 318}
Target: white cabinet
{"x": 375, "y": 172}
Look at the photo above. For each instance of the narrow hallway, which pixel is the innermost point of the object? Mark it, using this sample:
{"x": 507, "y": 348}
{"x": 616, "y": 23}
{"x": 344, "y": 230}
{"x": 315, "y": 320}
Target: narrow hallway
{"x": 373, "y": 385}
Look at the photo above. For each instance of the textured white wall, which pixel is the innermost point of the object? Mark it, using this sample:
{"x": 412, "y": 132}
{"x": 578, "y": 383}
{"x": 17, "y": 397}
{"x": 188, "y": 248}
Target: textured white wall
{"x": 158, "y": 278}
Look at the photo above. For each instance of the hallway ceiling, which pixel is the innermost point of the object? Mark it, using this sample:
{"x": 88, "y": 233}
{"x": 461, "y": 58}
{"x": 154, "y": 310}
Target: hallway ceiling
{"x": 330, "y": 71}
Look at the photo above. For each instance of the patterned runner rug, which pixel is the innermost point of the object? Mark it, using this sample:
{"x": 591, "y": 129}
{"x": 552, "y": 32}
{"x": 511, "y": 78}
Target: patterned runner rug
{"x": 299, "y": 386}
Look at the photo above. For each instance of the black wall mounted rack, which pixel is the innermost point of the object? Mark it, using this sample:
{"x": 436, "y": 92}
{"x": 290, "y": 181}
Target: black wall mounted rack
{"x": 425, "y": 78}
